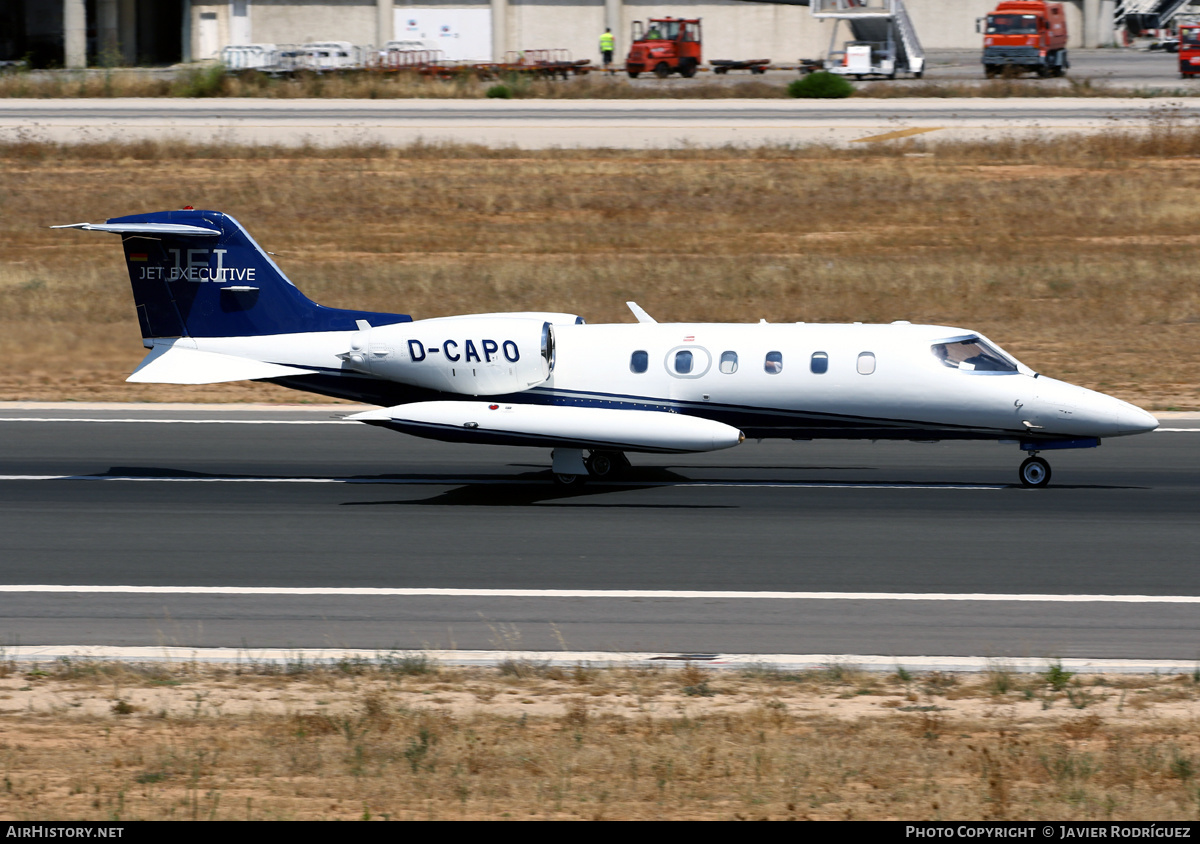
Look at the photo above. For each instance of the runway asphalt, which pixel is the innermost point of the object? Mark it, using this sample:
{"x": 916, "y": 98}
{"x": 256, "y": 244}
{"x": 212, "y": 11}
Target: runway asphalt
{"x": 893, "y": 549}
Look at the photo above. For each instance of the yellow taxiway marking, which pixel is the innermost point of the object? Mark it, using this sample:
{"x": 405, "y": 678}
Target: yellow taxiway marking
{"x": 891, "y": 136}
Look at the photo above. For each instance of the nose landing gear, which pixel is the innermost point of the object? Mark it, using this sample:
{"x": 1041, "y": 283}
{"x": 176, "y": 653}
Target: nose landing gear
{"x": 1034, "y": 472}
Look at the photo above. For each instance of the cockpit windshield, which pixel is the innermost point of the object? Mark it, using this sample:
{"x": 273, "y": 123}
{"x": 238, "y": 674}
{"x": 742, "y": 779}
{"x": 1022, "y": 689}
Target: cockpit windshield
{"x": 1012, "y": 24}
{"x": 973, "y": 354}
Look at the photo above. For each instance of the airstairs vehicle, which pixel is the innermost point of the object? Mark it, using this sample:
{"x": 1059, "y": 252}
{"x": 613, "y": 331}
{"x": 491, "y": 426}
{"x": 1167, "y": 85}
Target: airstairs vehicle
{"x": 883, "y": 41}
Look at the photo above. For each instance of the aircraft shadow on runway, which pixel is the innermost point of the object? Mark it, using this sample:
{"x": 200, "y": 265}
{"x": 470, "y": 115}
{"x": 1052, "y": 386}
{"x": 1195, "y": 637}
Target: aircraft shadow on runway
{"x": 525, "y": 490}
{"x": 537, "y": 487}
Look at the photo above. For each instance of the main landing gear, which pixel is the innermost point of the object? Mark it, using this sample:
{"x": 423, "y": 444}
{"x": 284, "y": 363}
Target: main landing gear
{"x": 572, "y": 469}
{"x": 1035, "y": 472}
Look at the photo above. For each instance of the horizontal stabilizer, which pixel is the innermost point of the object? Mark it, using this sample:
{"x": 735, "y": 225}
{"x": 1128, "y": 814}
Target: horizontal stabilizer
{"x": 554, "y": 426}
{"x": 176, "y": 229}
{"x": 180, "y": 365}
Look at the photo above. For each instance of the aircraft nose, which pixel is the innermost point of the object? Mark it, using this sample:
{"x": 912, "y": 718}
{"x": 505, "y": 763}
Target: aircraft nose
{"x": 1131, "y": 419}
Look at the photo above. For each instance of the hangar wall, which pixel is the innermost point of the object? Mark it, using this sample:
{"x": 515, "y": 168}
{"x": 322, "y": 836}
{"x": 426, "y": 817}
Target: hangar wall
{"x": 732, "y": 29}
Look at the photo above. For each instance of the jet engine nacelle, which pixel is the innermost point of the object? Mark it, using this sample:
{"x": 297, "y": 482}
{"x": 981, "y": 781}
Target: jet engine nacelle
{"x": 472, "y": 356}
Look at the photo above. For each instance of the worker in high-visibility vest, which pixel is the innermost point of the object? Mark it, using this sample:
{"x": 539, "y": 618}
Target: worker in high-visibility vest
{"x": 607, "y": 43}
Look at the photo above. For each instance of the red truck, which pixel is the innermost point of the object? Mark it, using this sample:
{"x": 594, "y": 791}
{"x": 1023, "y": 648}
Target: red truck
{"x": 665, "y": 46}
{"x": 1025, "y": 36}
{"x": 1189, "y": 49}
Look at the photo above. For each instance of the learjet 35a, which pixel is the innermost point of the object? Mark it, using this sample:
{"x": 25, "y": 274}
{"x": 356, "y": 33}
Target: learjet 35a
{"x": 214, "y": 307}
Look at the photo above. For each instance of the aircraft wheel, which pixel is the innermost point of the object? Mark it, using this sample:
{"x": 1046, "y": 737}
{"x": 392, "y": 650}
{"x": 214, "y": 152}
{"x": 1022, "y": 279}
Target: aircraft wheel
{"x": 662, "y": 70}
{"x": 569, "y": 481}
{"x": 606, "y": 464}
{"x": 1035, "y": 472}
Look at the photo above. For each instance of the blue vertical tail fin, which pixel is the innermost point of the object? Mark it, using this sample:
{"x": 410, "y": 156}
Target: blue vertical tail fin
{"x": 200, "y": 274}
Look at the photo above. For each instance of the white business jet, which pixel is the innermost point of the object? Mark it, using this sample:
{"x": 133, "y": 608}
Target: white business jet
{"x": 214, "y": 307}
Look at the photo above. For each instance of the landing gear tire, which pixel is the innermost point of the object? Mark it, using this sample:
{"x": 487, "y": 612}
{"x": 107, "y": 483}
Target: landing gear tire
{"x": 606, "y": 464}
{"x": 662, "y": 70}
{"x": 1035, "y": 473}
{"x": 569, "y": 481}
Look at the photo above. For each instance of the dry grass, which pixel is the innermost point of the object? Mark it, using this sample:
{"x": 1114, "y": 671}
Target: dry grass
{"x": 411, "y": 740}
{"x": 1013, "y": 87}
{"x": 214, "y": 81}
{"x": 1075, "y": 254}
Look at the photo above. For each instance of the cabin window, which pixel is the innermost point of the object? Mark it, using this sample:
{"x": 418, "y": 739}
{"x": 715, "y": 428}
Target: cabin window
{"x": 728, "y": 363}
{"x": 774, "y": 363}
{"x": 639, "y": 362}
{"x": 866, "y": 363}
{"x": 688, "y": 362}
{"x": 972, "y": 354}
{"x": 820, "y": 363}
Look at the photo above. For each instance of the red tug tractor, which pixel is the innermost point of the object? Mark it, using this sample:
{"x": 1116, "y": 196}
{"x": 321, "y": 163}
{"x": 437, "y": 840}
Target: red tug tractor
{"x": 1189, "y": 49}
{"x": 665, "y": 46}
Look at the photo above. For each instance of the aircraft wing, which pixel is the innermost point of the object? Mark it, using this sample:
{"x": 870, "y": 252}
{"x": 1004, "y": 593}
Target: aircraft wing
{"x": 555, "y": 426}
{"x": 181, "y": 365}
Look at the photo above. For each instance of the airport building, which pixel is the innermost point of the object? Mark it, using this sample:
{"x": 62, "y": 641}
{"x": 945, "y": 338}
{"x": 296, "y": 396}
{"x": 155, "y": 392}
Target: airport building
{"x": 78, "y": 33}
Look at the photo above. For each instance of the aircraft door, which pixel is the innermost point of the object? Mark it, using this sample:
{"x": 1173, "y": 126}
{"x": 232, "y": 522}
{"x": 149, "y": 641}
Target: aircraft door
{"x": 687, "y": 365}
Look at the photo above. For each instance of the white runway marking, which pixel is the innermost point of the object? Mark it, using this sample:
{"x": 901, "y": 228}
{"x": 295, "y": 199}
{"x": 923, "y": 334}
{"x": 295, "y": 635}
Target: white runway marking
{"x": 383, "y": 592}
{"x": 780, "y": 662}
{"x": 492, "y": 481}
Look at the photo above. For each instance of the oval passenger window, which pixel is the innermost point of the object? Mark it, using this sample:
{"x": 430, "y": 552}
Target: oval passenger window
{"x": 866, "y": 363}
{"x": 774, "y": 363}
{"x": 683, "y": 362}
{"x": 728, "y": 362}
{"x": 820, "y": 363}
{"x": 639, "y": 361}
